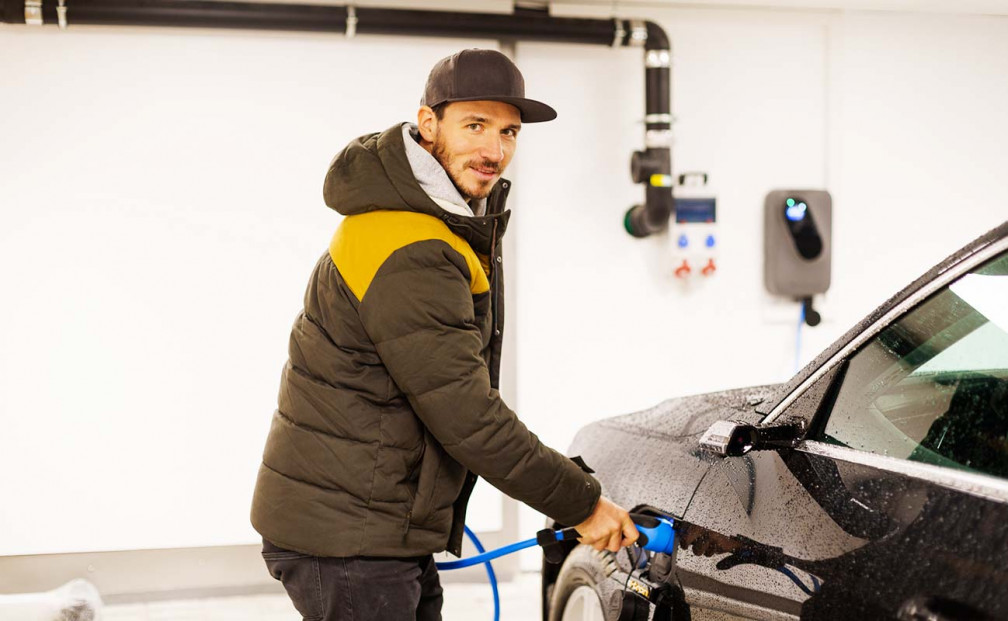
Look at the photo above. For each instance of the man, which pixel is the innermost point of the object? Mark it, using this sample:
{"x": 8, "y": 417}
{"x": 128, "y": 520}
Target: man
{"x": 388, "y": 407}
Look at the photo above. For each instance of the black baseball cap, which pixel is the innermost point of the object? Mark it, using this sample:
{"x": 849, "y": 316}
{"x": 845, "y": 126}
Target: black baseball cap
{"x": 475, "y": 75}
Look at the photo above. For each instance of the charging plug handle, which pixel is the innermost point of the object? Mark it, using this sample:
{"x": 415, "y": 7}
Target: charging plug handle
{"x": 654, "y": 533}
{"x": 657, "y": 534}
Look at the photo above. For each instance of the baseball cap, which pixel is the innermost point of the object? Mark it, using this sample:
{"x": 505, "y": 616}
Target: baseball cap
{"x": 474, "y": 75}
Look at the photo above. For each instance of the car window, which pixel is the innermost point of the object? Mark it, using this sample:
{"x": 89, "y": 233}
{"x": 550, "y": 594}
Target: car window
{"x": 933, "y": 386}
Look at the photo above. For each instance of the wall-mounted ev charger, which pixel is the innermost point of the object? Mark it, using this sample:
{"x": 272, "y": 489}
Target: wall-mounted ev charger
{"x": 797, "y": 246}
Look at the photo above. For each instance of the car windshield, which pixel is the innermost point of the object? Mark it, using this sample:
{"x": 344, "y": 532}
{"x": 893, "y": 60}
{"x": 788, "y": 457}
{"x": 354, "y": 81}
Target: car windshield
{"x": 933, "y": 386}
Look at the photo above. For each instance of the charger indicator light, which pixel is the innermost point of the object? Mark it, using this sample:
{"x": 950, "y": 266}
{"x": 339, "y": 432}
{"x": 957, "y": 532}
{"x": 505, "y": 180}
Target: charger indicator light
{"x": 795, "y": 211}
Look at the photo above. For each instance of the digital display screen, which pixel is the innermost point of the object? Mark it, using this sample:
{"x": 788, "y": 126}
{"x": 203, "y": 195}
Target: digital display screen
{"x": 689, "y": 210}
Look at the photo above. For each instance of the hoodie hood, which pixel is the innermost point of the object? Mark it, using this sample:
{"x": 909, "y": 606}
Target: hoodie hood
{"x": 434, "y": 179}
{"x": 373, "y": 173}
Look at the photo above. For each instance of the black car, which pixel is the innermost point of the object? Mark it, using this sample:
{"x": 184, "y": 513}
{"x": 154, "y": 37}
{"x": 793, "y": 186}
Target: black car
{"x": 872, "y": 485}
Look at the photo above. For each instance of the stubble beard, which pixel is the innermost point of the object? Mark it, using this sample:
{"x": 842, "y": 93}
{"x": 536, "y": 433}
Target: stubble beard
{"x": 441, "y": 154}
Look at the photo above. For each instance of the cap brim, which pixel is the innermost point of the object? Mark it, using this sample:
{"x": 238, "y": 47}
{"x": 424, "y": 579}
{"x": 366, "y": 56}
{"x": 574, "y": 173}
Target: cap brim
{"x": 532, "y": 111}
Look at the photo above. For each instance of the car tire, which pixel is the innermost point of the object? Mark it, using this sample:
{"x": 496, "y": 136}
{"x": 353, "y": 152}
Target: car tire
{"x": 581, "y": 591}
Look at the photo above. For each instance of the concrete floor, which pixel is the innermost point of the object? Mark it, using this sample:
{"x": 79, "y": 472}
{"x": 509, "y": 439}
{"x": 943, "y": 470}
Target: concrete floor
{"x": 463, "y": 602}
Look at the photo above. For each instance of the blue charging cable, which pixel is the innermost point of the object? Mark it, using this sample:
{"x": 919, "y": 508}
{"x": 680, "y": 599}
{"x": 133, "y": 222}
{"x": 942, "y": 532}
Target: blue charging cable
{"x": 797, "y": 353}
{"x": 489, "y": 569}
{"x": 801, "y": 585}
{"x": 655, "y": 534}
{"x": 484, "y": 556}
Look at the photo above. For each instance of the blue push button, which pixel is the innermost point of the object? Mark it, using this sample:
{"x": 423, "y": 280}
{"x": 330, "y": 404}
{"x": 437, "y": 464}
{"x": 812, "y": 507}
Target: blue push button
{"x": 683, "y": 241}
{"x": 710, "y": 241}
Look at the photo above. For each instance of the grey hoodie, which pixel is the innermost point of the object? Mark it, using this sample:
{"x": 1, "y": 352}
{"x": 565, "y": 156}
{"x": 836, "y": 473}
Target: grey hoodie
{"x": 433, "y": 178}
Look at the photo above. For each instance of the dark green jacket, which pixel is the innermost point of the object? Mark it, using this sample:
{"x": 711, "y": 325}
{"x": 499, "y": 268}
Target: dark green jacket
{"x": 388, "y": 407}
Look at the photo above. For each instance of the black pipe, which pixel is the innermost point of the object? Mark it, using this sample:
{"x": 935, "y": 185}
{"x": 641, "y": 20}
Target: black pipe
{"x": 527, "y": 26}
{"x": 656, "y": 37}
{"x": 320, "y": 18}
{"x": 657, "y": 100}
{"x": 652, "y": 166}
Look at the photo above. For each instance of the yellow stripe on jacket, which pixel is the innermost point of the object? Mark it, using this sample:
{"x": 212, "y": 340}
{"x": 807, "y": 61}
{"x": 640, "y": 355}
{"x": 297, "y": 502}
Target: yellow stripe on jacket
{"x": 363, "y": 242}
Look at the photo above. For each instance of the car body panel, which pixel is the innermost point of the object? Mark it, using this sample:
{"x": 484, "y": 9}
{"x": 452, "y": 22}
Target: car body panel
{"x": 817, "y": 530}
{"x": 652, "y": 457}
{"x": 887, "y": 537}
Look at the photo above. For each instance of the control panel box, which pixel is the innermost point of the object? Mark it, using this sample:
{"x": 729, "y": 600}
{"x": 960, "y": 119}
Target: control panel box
{"x": 693, "y": 230}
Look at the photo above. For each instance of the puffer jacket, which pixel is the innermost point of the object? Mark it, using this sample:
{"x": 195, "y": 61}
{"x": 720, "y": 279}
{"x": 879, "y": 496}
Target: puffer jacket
{"x": 388, "y": 407}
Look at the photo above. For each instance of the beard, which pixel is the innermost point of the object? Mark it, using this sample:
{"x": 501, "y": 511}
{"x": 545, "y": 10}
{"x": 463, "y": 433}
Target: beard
{"x": 477, "y": 190}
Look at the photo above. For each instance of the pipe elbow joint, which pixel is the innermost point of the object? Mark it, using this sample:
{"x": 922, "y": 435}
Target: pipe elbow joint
{"x": 634, "y": 222}
{"x": 646, "y": 219}
{"x": 657, "y": 38}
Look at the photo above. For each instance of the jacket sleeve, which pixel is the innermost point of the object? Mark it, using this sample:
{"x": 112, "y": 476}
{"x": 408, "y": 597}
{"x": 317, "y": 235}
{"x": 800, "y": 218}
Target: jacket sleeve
{"x": 418, "y": 312}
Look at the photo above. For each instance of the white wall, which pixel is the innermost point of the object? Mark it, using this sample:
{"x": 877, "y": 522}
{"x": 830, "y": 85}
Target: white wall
{"x": 161, "y": 210}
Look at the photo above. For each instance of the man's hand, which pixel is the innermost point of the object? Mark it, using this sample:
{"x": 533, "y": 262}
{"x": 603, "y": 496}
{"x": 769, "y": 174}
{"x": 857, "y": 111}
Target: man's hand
{"x": 608, "y": 527}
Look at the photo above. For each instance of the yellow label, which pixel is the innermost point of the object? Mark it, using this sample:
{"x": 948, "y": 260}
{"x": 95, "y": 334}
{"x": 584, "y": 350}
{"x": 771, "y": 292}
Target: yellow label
{"x": 638, "y": 588}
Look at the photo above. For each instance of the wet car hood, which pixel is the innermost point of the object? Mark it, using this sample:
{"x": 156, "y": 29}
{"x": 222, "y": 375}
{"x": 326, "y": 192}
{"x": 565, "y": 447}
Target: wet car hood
{"x": 652, "y": 457}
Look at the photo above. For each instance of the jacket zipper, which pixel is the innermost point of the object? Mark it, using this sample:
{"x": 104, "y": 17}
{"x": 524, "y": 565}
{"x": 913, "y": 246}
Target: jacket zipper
{"x": 494, "y": 274}
{"x": 414, "y": 468}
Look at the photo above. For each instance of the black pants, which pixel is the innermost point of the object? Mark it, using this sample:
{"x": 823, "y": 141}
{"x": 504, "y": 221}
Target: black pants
{"x": 357, "y": 588}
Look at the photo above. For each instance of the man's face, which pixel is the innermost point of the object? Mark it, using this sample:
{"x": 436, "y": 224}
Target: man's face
{"x": 474, "y": 142}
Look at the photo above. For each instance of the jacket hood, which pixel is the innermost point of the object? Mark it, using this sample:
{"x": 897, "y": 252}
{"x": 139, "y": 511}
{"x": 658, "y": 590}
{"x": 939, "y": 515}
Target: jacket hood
{"x": 373, "y": 173}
